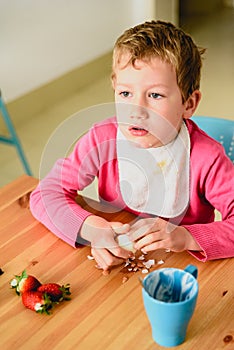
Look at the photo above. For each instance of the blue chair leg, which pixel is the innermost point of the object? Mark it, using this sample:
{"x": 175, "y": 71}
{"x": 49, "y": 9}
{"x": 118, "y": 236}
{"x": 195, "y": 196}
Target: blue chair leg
{"x": 13, "y": 139}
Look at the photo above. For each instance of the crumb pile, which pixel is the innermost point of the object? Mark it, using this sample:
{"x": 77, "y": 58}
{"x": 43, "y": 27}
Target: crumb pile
{"x": 134, "y": 264}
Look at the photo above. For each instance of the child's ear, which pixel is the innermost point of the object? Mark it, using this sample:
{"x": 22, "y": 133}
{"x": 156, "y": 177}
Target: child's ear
{"x": 191, "y": 104}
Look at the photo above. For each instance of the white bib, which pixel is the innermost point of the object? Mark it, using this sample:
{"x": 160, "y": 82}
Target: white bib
{"x": 155, "y": 180}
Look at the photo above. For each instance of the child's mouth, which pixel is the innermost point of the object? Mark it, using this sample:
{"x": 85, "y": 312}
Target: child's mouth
{"x": 137, "y": 131}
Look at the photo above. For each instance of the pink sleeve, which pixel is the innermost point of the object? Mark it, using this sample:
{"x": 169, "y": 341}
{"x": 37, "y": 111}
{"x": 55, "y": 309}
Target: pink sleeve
{"x": 53, "y": 201}
{"x": 217, "y": 238}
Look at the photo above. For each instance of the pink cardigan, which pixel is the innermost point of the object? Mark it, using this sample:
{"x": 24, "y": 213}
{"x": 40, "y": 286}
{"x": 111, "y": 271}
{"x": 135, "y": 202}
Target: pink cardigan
{"x": 211, "y": 186}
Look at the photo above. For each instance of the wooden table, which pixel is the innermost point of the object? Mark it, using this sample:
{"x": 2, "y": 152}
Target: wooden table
{"x": 104, "y": 313}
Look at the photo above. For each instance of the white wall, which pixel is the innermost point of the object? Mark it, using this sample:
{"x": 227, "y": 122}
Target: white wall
{"x": 42, "y": 40}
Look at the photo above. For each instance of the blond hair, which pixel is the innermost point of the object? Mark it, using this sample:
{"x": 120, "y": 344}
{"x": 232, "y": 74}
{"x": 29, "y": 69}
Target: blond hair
{"x": 164, "y": 40}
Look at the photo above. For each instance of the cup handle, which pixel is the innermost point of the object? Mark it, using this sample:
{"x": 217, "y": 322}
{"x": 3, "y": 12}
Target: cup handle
{"x": 191, "y": 269}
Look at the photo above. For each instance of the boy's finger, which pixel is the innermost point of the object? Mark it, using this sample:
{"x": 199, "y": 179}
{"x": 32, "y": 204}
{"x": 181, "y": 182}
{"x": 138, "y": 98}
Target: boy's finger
{"x": 121, "y": 253}
{"x": 120, "y": 228}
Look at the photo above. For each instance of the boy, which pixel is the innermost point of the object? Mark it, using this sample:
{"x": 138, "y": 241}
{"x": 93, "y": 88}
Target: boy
{"x": 150, "y": 159}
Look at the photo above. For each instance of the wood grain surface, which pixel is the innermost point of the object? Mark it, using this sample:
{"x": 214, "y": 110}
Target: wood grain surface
{"x": 104, "y": 313}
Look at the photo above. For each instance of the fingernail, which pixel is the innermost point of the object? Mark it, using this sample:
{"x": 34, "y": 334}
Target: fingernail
{"x": 98, "y": 267}
{"x": 126, "y": 226}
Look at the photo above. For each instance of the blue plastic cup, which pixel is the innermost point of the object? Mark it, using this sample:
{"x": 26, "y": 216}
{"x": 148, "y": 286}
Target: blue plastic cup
{"x": 169, "y": 297}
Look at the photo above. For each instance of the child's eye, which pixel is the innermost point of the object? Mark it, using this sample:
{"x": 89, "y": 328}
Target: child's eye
{"x": 125, "y": 93}
{"x": 155, "y": 95}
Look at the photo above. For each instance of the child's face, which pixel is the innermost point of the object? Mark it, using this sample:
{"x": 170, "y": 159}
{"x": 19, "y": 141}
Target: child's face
{"x": 148, "y": 102}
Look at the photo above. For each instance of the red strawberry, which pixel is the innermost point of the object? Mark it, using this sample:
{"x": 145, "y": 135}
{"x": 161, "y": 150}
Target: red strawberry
{"x": 55, "y": 291}
{"x": 37, "y": 301}
{"x": 24, "y": 283}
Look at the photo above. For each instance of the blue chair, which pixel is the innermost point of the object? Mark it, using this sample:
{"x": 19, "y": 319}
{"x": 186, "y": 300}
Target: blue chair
{"x": 220, "y": 129}
{"x": 13, "y": 139}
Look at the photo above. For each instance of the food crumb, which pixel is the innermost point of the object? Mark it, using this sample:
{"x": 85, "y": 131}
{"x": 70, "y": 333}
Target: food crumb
{"x": 90, "y": 257}
{"x": 142, "y": 257}
{"x": 149, "y": 263}
{"x": 144, "y": 271}
{"x": 160, "y": 262}
{"x": 125, "y": 279}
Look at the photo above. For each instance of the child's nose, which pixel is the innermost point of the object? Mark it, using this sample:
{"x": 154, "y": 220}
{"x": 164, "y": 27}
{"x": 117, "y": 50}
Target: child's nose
{"x": 139, "y": 112}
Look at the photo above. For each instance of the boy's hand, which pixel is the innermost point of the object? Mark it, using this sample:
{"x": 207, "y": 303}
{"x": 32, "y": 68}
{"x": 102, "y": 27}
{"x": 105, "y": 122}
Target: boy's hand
{"x": 101, "y": 235}
{"x": 155, "y": 233}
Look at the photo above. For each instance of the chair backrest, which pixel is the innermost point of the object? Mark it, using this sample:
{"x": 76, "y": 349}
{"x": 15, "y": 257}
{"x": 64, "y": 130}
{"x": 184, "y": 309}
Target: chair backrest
{"x": 220, "y": 129}
{"x": 12, "y": 139}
